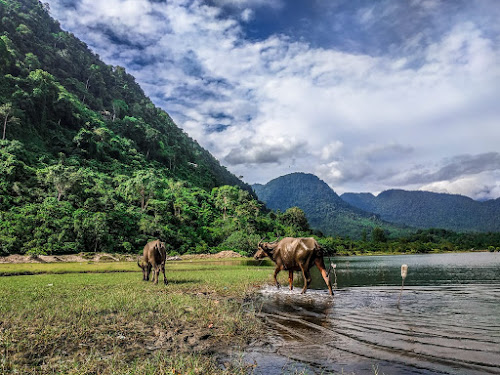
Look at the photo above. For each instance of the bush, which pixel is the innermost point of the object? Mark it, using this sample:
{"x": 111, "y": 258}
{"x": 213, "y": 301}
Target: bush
{"x": 127, "y": 246}
{"x": 245, "y": 244}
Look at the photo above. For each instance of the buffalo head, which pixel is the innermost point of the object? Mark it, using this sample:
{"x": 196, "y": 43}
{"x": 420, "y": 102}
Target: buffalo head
{"x": 260, "y": 254}
{"x": 161, "y": 245}
{"x": 265, "y": 249}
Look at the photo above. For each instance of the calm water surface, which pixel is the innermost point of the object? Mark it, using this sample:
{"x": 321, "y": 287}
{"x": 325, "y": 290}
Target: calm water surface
{"x": 447, "y": 320}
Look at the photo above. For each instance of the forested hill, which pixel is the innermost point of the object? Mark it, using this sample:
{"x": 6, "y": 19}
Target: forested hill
{"x": 64, "y": 99}
{"x": 323, "y": 207}
{"x": 422, "y": 209}
{"x": 88, "y": 163}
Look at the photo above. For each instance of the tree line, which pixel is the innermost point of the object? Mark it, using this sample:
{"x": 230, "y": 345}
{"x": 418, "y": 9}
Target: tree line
{"x": 89, "y": 163}
{"x": 69, "y": 207}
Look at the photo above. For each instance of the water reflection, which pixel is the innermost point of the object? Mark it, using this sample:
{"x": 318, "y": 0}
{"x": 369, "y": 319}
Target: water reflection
{"x": 428, "y": 269}
{"x": 448, "y": 321}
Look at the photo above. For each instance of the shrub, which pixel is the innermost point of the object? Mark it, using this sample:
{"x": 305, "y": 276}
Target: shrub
{"x": 243, "y": 243}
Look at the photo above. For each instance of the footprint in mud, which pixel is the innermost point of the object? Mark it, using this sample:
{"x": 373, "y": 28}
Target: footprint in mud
{"x": 181, "y": 339}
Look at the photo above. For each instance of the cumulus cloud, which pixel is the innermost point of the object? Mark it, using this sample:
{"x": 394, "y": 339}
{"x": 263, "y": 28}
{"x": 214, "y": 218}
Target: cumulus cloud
{"x": 480, "y": 186}
{"x": 251, "y": 151}
{"x": 456, "y": 167}
{"x": 377, "y": 152}
{"x": 276, "y": 4}
{"x": 360, "y": 120}
{"x": 247, "y": 14}
{"x": 331, "y": 150}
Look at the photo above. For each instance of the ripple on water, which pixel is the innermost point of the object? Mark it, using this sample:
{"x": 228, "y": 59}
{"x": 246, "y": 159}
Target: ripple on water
{"x": 449, "y": 329}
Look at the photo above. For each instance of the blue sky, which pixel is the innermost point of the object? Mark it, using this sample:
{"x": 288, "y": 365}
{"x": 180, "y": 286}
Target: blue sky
{"x": 368, "y": 95}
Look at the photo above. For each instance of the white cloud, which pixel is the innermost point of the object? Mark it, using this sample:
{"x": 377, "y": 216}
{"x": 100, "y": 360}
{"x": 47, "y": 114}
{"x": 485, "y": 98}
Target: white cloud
{"x": 366, "y": 15}
{"x": 359, "y": 121}
{"x": 247, "y": 15}
{"x": 330, "y": 150}
{"x": 275, "y": 4}
{"x": 482, "y": 186}
{"x": 269, "y": 150}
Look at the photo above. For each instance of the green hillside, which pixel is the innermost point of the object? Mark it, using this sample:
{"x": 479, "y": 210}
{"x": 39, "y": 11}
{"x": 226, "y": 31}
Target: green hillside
{"x": 324, "y": 209}
{"x": 68, "y": 101}
{"x": 422, "y": 209}
{"x": 88, "y": 163}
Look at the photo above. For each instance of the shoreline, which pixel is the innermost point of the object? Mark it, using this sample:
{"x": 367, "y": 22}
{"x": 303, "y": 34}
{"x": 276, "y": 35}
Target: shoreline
{"x": 104, "y": 257}
{"x": 116, "y": 257}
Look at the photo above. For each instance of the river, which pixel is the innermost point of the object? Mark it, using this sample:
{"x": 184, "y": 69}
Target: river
{"x": 447, "y": 320}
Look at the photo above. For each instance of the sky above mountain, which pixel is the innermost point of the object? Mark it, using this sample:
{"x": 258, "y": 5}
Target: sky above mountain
{"x": 368, "y": 95}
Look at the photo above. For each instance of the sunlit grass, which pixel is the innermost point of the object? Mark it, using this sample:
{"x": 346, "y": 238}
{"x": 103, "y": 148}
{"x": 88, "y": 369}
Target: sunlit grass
{"x": 75, "y": 318}
{"x": 37, "y": 268}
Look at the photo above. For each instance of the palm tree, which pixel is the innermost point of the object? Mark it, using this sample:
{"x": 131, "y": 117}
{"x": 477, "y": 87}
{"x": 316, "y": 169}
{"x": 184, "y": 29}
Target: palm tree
{"x": 6, "y": 112}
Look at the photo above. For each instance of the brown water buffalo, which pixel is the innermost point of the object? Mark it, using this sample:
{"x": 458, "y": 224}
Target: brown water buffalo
{"x": 153, "y": 258}
{"x": 295, "y": 254}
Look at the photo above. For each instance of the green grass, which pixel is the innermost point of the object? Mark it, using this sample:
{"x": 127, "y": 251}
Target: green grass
{"x": 38, "y": 268}
{"x": 103, "y": 319}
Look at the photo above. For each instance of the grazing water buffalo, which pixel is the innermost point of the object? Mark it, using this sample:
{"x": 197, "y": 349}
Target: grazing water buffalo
{"x": 154, "y": 257}
{"x": 295, "y": 254}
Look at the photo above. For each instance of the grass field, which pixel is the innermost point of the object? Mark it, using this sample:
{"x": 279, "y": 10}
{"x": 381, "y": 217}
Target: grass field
{"x": 84, "y": 318}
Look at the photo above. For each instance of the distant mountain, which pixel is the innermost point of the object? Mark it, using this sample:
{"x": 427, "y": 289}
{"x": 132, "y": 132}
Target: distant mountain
{"x": 324, "y": 209}
{"x": 422, "y": 209}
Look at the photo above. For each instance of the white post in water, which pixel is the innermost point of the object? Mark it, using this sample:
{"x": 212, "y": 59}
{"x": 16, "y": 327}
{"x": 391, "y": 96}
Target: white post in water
{"x": 333, "y": 266}
{"x": 404, "y": 272}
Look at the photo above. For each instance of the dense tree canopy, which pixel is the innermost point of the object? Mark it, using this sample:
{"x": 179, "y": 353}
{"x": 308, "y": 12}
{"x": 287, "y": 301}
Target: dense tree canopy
{"x": 89, "y": 163}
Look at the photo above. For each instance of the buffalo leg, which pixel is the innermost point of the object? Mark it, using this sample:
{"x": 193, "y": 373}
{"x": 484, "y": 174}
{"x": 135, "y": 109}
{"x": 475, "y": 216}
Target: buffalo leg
{"x": 276, "y": 271}
{"x": 157, "y": 274}
{"x": 153, "y": 274}
{"x": 148, "y": 271}
{"x": 290, "y": 279}
{"x": 321, "y": 266}
{"x": 305, "y": 275}
{"x": 164, "y": 276}
{"x": 308, "y": 274}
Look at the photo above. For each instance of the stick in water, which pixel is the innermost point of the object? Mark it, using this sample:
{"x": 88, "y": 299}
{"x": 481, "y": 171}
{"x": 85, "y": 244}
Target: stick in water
{"x": 404, "y": 272}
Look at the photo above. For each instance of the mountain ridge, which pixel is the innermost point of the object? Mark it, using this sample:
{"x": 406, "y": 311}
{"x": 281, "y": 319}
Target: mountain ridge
{"x": 324, "y": 209}
{"x": 425, "y": 209}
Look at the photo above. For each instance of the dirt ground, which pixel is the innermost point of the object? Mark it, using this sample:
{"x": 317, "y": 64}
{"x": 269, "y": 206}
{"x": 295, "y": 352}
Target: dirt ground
{"x": 104, "y": 257}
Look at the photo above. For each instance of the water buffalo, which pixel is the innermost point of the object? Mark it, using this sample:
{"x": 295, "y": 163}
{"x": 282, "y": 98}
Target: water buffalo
{"x": 154, "y": 257}
{"x": 295, "y": 254}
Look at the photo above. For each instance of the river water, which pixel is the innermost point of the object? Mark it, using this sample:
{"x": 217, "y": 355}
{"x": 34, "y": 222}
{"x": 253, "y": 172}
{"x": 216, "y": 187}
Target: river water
{"x": 447, "y": 320}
